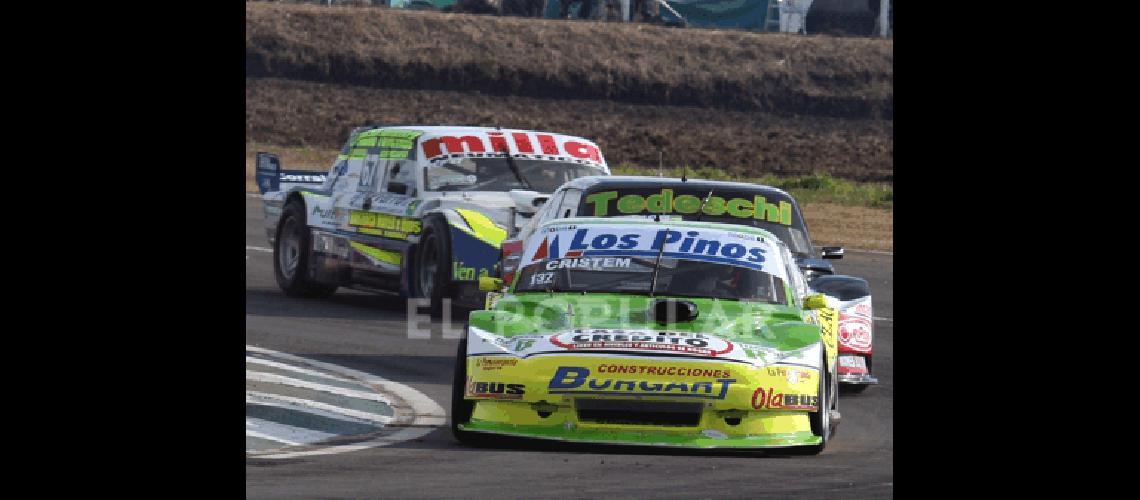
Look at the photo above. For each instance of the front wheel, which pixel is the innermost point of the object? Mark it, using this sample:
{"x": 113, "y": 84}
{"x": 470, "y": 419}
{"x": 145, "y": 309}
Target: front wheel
{"x": 461, "y": 408}
{"x": 433, "y": 264}
{"x": 821, "y": 423}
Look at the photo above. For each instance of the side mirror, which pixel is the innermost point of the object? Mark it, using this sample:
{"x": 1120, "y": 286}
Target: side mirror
{"x": 832, "y": 252}
{"x": 528, "y": 201}
{"x": 816, "y": 301}
{"x": 489, "y": 284}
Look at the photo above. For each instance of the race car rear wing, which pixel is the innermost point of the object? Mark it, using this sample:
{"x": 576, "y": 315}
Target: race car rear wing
{"x": 270, "y": 177}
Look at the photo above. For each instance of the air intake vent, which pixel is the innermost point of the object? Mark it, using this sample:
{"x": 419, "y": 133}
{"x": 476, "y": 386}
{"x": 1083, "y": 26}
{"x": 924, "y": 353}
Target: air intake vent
{"x": 624, "y": 412}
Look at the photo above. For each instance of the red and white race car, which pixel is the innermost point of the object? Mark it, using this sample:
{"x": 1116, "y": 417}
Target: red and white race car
{"x": 855, "y": 331}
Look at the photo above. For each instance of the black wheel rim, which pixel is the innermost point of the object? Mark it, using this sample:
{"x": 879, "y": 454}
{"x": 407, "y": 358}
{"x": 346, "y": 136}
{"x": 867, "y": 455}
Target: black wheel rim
{"x": 289, "y": 249}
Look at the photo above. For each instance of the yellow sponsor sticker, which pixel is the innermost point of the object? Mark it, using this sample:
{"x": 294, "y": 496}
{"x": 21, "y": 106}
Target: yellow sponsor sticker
{"x": 384, "y": 224}
{"x": 828, "y": 328}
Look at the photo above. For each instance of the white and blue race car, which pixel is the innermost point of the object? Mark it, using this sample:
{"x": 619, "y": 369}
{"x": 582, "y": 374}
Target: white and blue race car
{"x": 416, "y": 210}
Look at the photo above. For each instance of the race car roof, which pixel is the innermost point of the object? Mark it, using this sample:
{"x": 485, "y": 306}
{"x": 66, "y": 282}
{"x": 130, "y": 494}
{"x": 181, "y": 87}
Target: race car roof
{"x": 438, "y": 130}
{"x": 639, "y": 181}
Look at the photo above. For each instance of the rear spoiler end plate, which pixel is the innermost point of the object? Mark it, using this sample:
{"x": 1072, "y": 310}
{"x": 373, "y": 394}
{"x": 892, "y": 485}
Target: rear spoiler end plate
{"x": 270, "y": 176}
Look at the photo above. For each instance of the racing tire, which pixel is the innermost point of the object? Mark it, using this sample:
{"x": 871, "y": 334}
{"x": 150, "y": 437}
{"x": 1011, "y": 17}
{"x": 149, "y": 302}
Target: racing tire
{"x": 821, "y": 424}
{"x": 291, "y": 254}
{"x": 461, "y": 409}
{"x": 433, "y": 264}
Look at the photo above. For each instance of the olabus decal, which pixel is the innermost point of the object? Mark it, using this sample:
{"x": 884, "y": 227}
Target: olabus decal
{"x": 772, "y": 400}
{"x": 577, "y": 380}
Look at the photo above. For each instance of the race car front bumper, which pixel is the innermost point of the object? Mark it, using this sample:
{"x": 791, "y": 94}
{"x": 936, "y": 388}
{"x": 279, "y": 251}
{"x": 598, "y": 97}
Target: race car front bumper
{"x": 855, "y": 368}
{"x": 643, "y": 401}
{"x": 857, "y": 379}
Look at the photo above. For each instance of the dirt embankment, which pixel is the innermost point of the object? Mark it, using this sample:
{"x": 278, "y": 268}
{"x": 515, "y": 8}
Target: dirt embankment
{"x": 375, "y": 47}
{"x": 292, "y": 113}
{"x": 750, "y": 104}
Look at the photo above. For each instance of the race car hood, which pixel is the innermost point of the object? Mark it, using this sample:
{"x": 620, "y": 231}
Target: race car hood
{"x": 531, "y": 324}
{"x": 494, "y": 204}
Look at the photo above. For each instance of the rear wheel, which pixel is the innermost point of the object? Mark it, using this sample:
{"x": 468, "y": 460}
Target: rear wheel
{"x": 291, "y": 256}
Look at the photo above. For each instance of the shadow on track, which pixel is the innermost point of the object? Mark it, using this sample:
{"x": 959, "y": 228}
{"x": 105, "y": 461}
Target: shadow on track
{"x": 346, "y": 304}
{"x": 441, "y": 439}
{"x": 342, "y": 305}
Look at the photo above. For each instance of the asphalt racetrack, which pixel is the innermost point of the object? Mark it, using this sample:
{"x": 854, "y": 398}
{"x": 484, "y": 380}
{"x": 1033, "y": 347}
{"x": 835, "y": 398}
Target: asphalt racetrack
{"x": 368, "y": 333}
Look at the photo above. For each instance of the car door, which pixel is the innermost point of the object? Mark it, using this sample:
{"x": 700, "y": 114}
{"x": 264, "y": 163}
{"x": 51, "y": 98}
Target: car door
{"x": 366, "y": 169}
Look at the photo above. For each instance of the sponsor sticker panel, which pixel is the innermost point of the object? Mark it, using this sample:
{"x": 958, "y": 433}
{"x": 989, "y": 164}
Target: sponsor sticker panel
{"x": 559, "y": 378}
{"x": 856, "y": 330}
{"x": 666, "y": 201}
{"x": 518, "y": 143}
{"x": 852, "y": 364}
{"x": 589, "y": 245}
{"x": 637, "y": 341}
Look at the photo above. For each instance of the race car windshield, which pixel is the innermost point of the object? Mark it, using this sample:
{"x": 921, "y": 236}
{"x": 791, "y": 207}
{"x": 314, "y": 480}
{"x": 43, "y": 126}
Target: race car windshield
{"x": 676, "y": 277}
{"x": 494, "y": 174}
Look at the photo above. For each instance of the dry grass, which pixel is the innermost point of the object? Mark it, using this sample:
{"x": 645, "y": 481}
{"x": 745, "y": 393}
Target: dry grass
{"x": 389, "y": 48}
{"x": 850, "y": 226}
{"x": 744, "y": 144}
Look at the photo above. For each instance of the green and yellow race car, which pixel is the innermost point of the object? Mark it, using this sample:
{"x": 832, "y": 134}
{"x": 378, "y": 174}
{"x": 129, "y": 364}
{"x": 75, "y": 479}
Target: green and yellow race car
{"x": 660, "y": 333}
